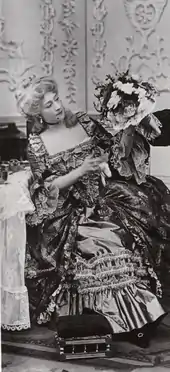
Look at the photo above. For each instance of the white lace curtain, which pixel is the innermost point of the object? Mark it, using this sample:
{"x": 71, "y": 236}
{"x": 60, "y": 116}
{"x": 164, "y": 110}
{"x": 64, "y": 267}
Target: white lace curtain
{"x": 14, "y": 203}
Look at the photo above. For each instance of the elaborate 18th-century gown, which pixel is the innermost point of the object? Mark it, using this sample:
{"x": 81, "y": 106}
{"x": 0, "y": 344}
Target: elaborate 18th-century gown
{"x": 95, "y": 246}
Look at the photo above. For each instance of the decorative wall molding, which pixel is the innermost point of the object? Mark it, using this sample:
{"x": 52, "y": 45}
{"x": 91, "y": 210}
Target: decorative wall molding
{"x": 98, "y": 31}
{"x": 145, "y": 15}
{"x": 69, "y": 47}
{"x": 12, "y": 50}
{"x": 48, "y": 41}
{"x": 14, "y": 78}
{"x": 147, "y": 59}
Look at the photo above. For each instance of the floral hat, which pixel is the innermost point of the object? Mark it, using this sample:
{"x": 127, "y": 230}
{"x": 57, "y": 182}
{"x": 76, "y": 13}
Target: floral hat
{"x": 124, "y": 100}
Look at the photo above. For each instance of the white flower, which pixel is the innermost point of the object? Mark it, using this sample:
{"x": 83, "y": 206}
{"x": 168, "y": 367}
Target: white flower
{"x": 128, "y": 88}
{"x": 146, "y": 105}
{"x": 141, "y": 92}
{"x": 118, "y": 85}
{"x": 135, "y": 77}
{"x": 113, "y": 101}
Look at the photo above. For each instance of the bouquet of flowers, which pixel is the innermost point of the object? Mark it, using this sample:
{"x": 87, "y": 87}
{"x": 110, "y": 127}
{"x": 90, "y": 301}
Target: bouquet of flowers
{"x": 124, "y": 101}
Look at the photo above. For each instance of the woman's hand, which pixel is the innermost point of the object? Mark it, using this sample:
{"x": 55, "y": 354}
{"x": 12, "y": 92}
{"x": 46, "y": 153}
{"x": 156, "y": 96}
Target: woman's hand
{"x": 91, "y": 164}
{"x": 105, "y": 172}
{"x": 52, "y": 184}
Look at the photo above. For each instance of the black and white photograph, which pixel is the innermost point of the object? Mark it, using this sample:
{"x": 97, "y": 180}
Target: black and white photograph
{"x": 85, "y": 185}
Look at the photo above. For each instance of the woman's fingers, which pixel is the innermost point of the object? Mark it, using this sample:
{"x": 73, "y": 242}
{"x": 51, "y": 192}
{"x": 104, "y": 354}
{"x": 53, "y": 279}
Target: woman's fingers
{"x": 97, "y": 161}
{"x": 105, "y": 169}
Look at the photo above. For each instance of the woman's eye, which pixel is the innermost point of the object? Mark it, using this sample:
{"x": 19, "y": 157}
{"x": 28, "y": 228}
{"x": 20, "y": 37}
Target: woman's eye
{"x": 48, "y": 105}
{"x": 56, "y": 98}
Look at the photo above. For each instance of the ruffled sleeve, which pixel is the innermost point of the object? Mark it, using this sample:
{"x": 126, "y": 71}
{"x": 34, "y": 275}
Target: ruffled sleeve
{"x": 44, "y": 197}
{"x": 128, "y": 150}
{"x": 130, "y": 156}
{"x": 150, "y": 128}
{"x": 95, "y": 129}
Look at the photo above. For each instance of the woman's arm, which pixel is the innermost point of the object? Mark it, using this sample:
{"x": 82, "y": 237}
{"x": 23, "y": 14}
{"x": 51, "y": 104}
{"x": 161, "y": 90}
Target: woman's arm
{"x": 67, "y": 180}
{"x": 89, "y": 165}
{"x": 44, "y": 200}
{"x": 47, "y": 182}
{"x": 43, "y": 175}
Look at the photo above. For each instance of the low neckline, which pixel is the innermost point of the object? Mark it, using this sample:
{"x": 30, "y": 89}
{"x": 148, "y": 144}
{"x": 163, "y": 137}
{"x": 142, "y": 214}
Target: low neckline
{"x": 85, "y": 141}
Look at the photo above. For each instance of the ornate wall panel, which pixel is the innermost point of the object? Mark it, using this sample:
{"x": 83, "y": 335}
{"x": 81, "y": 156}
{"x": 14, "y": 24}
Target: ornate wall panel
{"x": 69, "y": 56}
{"x": 99, "y": 42}
{"x": 130, "y": 34}
{"x": 19, "y": 51}
{"x": 148, "y": 57}
{"x": 97, "y": 14}
{"x": 70, "y": 47}
{"x": 48, "y": 42}
{"x": 45, "y": 37}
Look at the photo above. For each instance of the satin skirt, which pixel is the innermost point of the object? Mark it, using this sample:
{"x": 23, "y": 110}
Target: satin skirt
{"x": 106, "y": 280}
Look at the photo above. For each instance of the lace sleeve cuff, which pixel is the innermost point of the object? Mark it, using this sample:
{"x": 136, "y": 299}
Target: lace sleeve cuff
{"x": 45, "y": 200}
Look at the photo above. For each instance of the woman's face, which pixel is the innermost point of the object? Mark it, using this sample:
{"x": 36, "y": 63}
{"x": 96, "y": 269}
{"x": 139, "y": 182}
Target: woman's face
{"x": 52, "y": 109}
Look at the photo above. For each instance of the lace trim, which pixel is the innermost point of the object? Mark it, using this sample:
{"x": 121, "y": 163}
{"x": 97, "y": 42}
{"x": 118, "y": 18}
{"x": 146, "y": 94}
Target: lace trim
{"x": 14, "y": 328}
{"x": 121, "y": 253}
{"x": 118, "y": 271}
{"x": 16, "y": 290}
{"x": 55, "y": 304}
{"x": 102, "y": 288}
{"x": 44, "y": 199}
{"x": 14, "y": 309}
{"x": 135, "y": 165}
{"x": 36, "y": 145}
{"x": 46, "y": 315}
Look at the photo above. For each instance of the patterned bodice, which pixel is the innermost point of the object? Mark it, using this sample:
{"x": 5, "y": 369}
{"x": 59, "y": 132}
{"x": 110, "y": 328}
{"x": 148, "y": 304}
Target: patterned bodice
{"x": 128, "y": 156}
{"x": 86, "y": 189}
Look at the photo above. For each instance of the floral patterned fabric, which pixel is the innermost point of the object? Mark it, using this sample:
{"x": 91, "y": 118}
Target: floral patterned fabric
{"x": 92, "y": 246}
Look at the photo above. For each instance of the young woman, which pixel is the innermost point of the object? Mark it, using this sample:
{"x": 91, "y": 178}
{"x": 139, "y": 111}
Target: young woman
{"x": 91, "y": 242}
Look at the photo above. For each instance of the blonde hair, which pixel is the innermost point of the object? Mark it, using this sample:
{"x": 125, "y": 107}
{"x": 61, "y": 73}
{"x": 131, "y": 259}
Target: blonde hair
{"x": 31, "y": 92}
{"x": 29, "y": 96}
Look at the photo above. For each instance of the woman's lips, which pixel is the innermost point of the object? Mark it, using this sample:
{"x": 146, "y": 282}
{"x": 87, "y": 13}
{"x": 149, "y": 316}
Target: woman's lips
{"x": 59, "y": 113}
